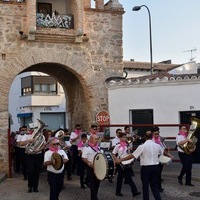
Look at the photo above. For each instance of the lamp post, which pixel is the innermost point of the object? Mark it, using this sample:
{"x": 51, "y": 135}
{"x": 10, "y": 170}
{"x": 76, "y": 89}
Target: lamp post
{"x": 136, "y": 8}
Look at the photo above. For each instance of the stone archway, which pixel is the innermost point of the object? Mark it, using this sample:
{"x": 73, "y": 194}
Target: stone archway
{"x": 72, "y": 71}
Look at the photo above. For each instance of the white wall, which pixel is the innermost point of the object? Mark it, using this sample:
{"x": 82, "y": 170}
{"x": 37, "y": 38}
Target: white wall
{"x": 166, "y": 100}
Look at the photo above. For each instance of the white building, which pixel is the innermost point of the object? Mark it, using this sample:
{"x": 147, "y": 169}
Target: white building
{"x": 33, "y": 96}
{"x": 161, "y": 98}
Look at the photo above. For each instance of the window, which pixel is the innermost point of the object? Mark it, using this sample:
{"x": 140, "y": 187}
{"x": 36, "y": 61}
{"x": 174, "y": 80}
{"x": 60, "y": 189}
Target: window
{"x": 39, "y": 85}
{"x": 48, "y": 89}
{"x": 26, "y": 91}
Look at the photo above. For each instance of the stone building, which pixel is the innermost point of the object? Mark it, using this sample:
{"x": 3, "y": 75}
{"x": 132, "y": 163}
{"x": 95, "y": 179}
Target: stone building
{"x": 78, "y": 45}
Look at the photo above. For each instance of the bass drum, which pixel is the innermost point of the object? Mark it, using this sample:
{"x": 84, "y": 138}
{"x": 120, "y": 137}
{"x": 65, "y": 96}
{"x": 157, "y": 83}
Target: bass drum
{"x": 104, "y": 165}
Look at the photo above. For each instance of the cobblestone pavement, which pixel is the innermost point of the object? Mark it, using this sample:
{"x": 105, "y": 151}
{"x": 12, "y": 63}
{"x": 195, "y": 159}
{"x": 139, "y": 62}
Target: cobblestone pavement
{"x": 16, "y": 188}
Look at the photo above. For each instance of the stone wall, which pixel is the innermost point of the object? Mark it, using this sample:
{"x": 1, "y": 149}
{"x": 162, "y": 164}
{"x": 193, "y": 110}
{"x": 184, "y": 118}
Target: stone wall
{"x": 81, "y": 63}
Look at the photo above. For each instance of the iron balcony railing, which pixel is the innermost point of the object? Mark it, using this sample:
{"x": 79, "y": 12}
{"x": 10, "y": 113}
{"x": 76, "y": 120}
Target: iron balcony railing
{"x": 55, "y": 21}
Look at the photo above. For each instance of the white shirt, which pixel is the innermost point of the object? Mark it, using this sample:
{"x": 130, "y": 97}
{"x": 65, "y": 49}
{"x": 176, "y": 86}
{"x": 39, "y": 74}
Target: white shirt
{"x": 89, "y": 153}
{"x": 115, "y": 141}
{"x": 149, "y": 153}
{"x": 122, "y": 152}
{"x": 47, "y": 157}
{"x": 73, "y": 136}
{"x": 179, "y": 138}
{"x": 22, "y": 138}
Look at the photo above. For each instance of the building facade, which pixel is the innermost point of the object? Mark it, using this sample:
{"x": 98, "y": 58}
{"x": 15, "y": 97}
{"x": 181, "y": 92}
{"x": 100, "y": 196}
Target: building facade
{"x": 35, "y": 95}
{"x": 77, "y": 45}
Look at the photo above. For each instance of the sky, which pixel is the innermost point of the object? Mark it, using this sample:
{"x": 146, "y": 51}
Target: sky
{"x": 175, "y": 29}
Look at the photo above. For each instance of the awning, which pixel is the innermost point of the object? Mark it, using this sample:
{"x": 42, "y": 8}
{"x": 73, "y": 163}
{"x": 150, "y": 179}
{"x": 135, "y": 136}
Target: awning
{"x": 23, "y": 115}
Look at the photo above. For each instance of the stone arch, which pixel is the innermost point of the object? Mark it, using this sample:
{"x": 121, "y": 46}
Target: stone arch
{"x": 63, "y": 66}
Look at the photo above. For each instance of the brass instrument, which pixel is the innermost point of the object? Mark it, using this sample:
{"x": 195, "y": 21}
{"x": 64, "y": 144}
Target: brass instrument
{"x": 131, "y": 138}
{"x": 38, "y": 137}
{"x": 60, "y": 134}
{"x": 188, "y": 146}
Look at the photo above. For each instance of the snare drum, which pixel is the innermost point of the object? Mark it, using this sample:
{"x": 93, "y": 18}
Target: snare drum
{"x": 164, "y": 160}
{"x": 128, "y": 163}
{"x": 104, "y": 165}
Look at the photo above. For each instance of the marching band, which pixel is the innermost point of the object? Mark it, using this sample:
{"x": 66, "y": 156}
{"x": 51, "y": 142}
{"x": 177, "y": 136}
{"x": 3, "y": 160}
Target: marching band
{"x": 87, "y": 159}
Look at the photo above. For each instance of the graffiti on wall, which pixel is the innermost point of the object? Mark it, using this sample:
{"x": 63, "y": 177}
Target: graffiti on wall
{"x": 54, "y": 21}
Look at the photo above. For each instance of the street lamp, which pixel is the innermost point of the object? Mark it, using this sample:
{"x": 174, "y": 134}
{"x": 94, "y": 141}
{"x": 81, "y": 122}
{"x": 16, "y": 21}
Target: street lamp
{"x": 136, "y": 8}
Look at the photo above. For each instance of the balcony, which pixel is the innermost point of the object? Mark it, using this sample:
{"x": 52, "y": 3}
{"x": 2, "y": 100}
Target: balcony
{"x": 40, "y": 100}
{"x": 54, "y": 21}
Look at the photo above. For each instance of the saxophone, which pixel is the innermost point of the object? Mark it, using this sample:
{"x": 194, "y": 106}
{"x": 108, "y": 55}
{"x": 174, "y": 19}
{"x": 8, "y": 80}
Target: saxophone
{"x": 195, "y": 124}
{"x": 38, "y": 137}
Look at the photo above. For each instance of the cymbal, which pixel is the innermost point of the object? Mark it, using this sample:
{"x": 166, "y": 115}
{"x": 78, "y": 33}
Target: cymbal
{"x": 58, "y": 161}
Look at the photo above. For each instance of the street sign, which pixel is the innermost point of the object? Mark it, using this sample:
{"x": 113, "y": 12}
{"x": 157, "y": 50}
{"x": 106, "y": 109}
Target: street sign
{"x": 103, "y": 118}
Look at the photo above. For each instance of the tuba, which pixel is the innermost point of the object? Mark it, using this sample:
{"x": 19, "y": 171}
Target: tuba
{"x": 38, "y": 137}
{"x": 195, "y": 124}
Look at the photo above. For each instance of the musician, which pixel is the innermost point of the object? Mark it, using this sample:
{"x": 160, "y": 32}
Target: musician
{"x": 88, "y": 155}
{"x": 74, "y": 139}
{"x": 93, "y": 130}
{"x": 159, "y": 140}
{"x": 34, "y": 162}
{"x": 116, "y": 140}
{"x": 186, "y": 159}
{"x": 149, "y": 161}
{"x": 55, "y": 177}
{"x": 20, "y": 138}
{"x": 81, "y": 164}
{"x": 124, "y": 171}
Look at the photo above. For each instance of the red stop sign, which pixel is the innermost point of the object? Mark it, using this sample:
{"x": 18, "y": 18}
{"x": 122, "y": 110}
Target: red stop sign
{"x": 103, "y": 118}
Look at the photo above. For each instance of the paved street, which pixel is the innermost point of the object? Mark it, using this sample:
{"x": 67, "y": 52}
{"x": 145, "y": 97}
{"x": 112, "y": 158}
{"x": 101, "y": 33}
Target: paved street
{"x": 16, "y": 188}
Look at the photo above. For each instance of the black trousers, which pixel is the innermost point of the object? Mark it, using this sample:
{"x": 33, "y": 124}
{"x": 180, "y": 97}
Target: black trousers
{"x": 126, "y": 173}
{"x": 68, "y": 165}
{"x": 186, "y": 160}
{"x": 94, "y": 183}
{"x": 23, "y": 161}
{"x": 160, "y": 176}
{"x": 149, "y": 176}
{"x": 56, "y": 182}
{"x": 82, "y": 171}
{"x": 17, "y": 165}
{"x": 74, "y": 151}
{"x": 34, "y": 165}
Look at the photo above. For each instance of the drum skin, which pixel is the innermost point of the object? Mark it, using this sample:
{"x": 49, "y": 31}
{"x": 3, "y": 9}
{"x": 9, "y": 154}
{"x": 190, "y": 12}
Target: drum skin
{"x": 104, "y": 165}
{"x": 164, "y": 160}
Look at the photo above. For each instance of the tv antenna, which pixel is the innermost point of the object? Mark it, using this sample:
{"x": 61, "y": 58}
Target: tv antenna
{"x": 191, "y": 51}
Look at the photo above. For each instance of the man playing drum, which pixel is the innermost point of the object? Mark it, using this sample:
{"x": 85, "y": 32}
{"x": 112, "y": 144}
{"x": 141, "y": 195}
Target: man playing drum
{"x": 124, "y": 170}
{"x": 149, "y": 161}
{"x": 88, "y": 155}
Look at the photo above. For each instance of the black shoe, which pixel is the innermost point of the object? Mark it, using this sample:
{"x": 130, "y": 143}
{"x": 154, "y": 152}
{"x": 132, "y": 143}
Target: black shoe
{"x": 136, "y": 194}
{"x": 69, "y": 178}
{"x": 119, "y": 194}
{"x": 161, "y": 189}
{"x": 35, "y": 190}
{"x": 25, "y": 178}
{"x": 189, "y": 184}
{"x": 83, "y": 186}
{"x": 87, "y": 184}
{"x": 30, "y": 190}
{"x": 180, "y": 180}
